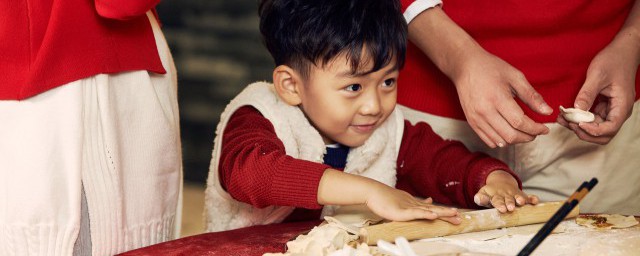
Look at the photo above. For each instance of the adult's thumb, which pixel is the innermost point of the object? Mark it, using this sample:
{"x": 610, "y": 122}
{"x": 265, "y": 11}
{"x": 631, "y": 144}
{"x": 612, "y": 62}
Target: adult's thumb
{"x": 587, "y": 94}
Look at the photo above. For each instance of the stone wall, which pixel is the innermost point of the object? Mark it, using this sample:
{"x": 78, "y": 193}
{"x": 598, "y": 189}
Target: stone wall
{"x": 217, "y": 50}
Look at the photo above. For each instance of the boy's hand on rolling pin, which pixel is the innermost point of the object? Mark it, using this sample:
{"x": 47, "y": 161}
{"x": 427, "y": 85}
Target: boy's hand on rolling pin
{"x": 501, "y": 191}
{"x": 397, "y": 205}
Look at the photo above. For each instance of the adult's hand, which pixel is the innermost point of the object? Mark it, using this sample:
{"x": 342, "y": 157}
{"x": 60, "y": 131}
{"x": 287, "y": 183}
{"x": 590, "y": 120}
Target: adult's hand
{"x": 486, "y": 84}
{"x": 486, "y": 87}
{"x": 611, "y": 78}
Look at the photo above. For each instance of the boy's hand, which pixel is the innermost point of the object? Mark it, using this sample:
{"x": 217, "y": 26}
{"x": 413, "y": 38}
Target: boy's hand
{"x": 501, "y": 191}
{"x": 397, "y": 205}
{"x": 339, "y": 188}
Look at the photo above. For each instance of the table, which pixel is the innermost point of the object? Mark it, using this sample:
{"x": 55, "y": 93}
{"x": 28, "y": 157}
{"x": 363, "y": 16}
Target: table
{"x": 257, "y": 240}
{"x": 248, "y": 241}
{"x": 571, "y": 240}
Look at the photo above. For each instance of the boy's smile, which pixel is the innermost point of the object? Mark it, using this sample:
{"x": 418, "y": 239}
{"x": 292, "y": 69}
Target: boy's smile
{"x": 364, "y": 128}
{"x": 345, "y": 107}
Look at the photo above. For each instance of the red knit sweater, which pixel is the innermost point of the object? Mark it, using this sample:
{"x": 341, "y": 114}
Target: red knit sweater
{"x": 45, "y": 43}
{"x": 552, "y": 43}
{"x": 255, "y": 169}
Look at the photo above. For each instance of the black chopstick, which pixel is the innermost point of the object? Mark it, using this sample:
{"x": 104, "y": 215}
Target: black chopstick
{"x": 557, "y": 217}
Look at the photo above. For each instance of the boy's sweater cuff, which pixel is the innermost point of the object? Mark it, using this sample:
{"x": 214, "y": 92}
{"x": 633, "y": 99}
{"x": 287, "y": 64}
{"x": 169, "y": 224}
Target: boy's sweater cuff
{"x": 297, "y": 183}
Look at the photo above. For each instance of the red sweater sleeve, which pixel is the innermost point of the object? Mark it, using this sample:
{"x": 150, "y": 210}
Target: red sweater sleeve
{"x": 124, "y": 9}
{"x": 255, "y": 169}
{"x": 429, "y": 166}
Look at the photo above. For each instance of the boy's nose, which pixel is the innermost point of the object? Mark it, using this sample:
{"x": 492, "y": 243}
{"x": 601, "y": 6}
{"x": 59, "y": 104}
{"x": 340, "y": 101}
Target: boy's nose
{"x": 371, "y": 105}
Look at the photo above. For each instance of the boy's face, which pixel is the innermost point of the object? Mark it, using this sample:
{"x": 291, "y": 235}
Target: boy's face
{"x": 347, "y": 108}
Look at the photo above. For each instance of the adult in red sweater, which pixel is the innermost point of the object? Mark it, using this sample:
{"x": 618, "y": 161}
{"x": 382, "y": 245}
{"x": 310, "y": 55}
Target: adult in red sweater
{"x": 327, "y": 132}
{"x": 90, "y": 160}
{"x": 504, "y": 66}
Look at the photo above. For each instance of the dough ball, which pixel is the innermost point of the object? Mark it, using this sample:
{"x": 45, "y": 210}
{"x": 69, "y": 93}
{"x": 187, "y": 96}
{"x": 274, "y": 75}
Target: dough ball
{"x": 575, "y": 115}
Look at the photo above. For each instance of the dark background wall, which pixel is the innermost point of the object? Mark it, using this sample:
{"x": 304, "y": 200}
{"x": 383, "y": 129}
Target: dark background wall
{"x": 217, "y": 50}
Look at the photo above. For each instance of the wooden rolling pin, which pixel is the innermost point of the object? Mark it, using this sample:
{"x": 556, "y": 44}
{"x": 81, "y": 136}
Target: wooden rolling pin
{"x": 471, "y": 221}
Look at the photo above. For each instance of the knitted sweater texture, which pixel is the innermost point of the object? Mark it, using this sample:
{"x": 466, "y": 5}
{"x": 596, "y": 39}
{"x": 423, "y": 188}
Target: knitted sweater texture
{"x": 256, "y": 170}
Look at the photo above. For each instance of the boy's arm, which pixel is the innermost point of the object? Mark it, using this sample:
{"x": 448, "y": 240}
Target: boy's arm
{"x": 445, "y": 170}
{"x": 339, "y": 188}
{"x": 255, "y": 169}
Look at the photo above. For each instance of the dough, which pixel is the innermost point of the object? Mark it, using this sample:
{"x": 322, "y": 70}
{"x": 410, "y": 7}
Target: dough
{"x": 338, "y": 236}
{"x": 356, "y": 215}
{"x": 321, "y": 240}
{"x": 352, "y": 218}
{"x": 575, "y": 115}
{"x": 606, "y": 221}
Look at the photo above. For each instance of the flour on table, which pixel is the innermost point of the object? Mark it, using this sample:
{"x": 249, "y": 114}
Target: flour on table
{"x": 573, "y": 240}
{"x": 435, "y": 248}
{"x": 624, "y": 243}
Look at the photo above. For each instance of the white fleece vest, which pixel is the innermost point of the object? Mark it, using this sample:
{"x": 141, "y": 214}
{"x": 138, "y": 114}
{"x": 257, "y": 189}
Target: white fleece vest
{"x": 375, "y": 159}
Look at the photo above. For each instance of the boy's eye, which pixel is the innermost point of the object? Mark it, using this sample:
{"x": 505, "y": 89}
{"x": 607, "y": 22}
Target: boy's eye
{"x": 353, "y": 88}
{"x": 389, "y": 82}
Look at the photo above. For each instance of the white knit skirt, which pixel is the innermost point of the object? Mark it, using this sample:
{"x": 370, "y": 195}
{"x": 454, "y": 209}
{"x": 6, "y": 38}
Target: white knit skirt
{"x": 113, "y": 136}
{"x": 554, "y": 165}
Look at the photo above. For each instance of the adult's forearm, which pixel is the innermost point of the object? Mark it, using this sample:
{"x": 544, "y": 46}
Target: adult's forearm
{"x": 442, "y": 40}
{"x": 629, "y": 35}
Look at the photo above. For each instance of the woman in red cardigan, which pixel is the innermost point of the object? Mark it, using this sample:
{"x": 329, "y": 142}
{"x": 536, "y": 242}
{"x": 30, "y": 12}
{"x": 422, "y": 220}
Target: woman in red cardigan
{"x": 90, "y": 154}
{"x": 505, "y": 67}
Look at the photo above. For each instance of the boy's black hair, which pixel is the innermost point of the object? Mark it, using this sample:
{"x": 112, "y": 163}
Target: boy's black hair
{"x": 299, "y": 33}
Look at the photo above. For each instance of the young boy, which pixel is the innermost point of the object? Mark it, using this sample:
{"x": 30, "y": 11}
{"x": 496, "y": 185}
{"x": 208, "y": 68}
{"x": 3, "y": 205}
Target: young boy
{"x": 328, "y": 132}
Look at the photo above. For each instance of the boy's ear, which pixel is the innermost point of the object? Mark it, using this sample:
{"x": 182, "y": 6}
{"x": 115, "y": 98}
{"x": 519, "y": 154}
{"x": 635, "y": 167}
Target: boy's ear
{"x": 287, "y": 82}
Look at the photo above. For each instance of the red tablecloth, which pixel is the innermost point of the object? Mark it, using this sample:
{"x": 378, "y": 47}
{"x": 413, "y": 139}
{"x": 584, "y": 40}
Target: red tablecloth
{"x": 254, "y": 240}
